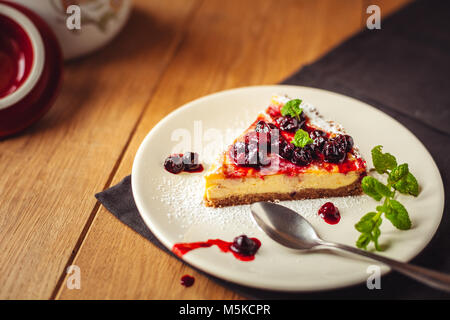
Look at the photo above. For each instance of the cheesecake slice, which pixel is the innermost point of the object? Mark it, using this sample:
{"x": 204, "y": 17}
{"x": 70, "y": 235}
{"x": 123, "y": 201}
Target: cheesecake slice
{"x": 288, "y": 153}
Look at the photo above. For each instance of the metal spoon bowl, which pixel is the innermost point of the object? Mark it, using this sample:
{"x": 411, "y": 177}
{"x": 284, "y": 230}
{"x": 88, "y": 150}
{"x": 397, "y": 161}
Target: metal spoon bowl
{"x": 290, "y": 229}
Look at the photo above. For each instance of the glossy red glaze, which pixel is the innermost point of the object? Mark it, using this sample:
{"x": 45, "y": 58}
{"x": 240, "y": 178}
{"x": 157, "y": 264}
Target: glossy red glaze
{"x": 273, "y": 111}
{"x": 181, "y": 249}
{"x": 348, "y": 166}
{"x": 38, "y": 101}
{"x": 16, "y": 56}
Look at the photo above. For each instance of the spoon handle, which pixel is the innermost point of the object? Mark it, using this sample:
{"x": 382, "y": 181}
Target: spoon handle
{"x": 435, "y": 279}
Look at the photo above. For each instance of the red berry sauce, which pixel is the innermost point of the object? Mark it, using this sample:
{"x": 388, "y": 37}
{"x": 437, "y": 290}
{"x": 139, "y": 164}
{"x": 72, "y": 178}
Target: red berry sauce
{"x": 330, "y": 213}
{"x": 181, "y": 249}
{"x": 187, "y": 280}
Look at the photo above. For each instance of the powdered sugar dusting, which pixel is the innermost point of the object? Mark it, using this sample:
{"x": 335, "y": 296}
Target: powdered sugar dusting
{"x": 183, "y": 194}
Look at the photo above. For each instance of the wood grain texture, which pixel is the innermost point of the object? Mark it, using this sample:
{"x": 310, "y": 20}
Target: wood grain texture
{"x": 51, "y": 171}
{"x": 221, "y": 50}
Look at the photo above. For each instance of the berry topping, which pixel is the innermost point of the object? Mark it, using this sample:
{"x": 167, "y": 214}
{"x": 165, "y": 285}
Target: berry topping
{"x": 312, "y": 150}
{"x": 244, "y": 154}
{"x": 243, "y": 157}
{"x": 272, "y": 126}
{"x": 345, "y": 142}
{"x": 263, "y": 158}
{"x": 275, "y": 139}
{"x": 239, "y": 147}
{"x": 262, "y": 126}
{"x": 275, "y": 143}
{"x": 288, "y": 123}
{"x": 317, "y": 133}
{"x": 286, "y": 149}
{"x": 301, "y": 156}
{"x": 257, "y": 139}
{"x": 350, "y": 143}
{"x": 174, "y": 164}
{"x": 253, "y": 150}
{"x": 319, "y": 137}
{"x": 244, "y": 246}
{"x": 190, "y": 161}
{"x": 334, "y": 152}
{"x": 330, "y": 213}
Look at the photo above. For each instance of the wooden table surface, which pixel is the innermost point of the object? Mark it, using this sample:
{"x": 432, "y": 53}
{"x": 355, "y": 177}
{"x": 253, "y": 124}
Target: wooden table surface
{"x": 169, "y": 53}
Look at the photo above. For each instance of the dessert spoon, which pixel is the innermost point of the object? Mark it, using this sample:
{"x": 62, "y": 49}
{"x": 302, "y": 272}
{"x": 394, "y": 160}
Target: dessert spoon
{"x": 290, "y": 229}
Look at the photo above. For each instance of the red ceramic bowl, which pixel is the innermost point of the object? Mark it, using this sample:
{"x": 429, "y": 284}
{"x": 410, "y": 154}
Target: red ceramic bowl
{"x": 31, "y": 68}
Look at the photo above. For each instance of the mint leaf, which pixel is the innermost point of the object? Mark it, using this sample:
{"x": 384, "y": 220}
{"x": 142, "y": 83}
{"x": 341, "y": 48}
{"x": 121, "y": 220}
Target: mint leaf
{"x": 398, "y": 173}
{"x": 292, "y": 108}
{"x": 368, "y": 186}
{"x": 375, "y": 189}
{"x": 369, "y": 226}
{"x": 382, "y": 161}
{"x": 301, "y": 139}
{"x": 363, "y": 241}
{"x": 407, "y": 185}
{"x": 397, "y": 214}
{"x": 367, "y": 223}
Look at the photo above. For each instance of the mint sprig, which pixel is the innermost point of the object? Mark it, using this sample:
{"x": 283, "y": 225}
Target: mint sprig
{"x": 301, "y": 138}
{"x": 399, "y": 179}
{"x": 292, "y": 109}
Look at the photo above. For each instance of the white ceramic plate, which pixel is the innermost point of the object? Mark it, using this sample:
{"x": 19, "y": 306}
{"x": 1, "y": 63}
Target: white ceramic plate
{"x": 171, "y": 204}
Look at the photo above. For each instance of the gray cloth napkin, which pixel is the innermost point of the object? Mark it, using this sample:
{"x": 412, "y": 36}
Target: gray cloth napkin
{"x": 402, "y": 69}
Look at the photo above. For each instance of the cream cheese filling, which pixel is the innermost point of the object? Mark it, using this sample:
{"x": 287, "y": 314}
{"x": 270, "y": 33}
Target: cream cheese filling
{"x": 218, "y": 188}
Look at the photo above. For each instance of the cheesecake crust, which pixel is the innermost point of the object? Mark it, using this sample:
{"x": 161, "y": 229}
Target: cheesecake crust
{"x": 353, "y": 189}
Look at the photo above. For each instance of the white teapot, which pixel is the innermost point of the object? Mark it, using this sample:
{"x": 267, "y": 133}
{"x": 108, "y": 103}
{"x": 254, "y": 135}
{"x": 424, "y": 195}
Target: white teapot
{"x": 99, "y": 21}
